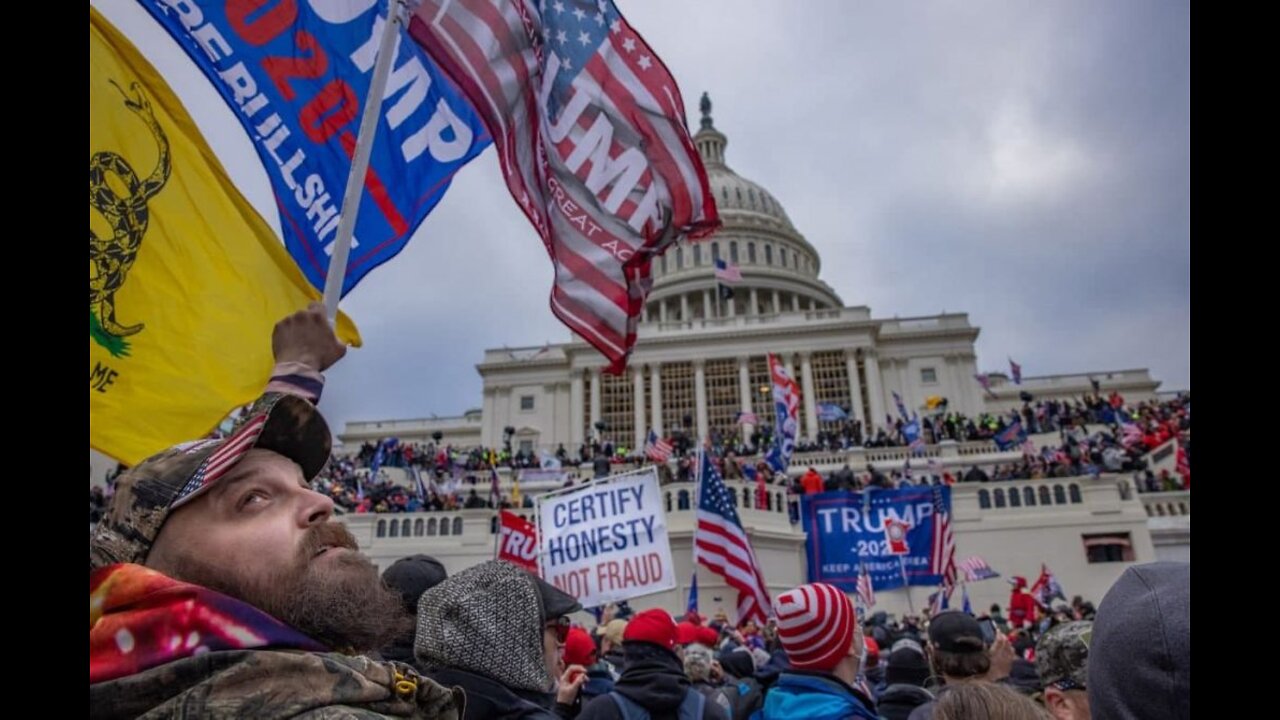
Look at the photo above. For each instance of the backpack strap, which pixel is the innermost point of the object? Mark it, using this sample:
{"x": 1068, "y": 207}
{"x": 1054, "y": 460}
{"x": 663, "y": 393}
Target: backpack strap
{"x": 693, "y": 705}
{"x": 628, "y": 708}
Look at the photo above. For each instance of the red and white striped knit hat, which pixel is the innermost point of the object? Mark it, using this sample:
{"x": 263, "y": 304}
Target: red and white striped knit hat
{"x": 816, "y": 625}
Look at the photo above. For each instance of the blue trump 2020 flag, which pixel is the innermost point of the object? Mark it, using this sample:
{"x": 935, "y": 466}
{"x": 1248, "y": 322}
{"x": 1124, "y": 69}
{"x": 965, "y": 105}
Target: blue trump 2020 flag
{"x": 846, "y": 531}
{"x": 297, "y": 75}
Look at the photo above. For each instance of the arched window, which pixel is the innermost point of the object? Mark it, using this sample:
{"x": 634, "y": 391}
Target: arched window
{"x": 768, "y": 254}
{"x": 1029, "y": 496}
{"x": 431, "y": 526}
{"x": 417, "y": 527}
{"x": 1045, "y": 497}
{"x": 457, "y": 526}
{"x": 999, "y": 493}
{"x": 682, "y": 500}
{"x": 751, "y": 252}
{"x": 1059, "y": 495}
{"x": 1074, "y": 491}
{"x": 382, "y": 528}
{"x": 984, "y": 499}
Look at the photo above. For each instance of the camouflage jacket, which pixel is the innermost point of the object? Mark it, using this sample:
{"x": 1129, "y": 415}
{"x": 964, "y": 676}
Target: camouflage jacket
{"x": 275, "y": 684}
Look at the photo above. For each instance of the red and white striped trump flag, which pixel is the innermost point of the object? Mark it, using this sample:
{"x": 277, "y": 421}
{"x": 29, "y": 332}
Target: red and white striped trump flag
{"x": 590, "y": 130}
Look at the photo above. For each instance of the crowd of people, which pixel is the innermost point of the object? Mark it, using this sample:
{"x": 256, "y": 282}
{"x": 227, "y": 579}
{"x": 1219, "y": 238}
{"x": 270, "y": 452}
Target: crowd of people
{"x": 221, "y": 586}
{"x": 445, "y": 478}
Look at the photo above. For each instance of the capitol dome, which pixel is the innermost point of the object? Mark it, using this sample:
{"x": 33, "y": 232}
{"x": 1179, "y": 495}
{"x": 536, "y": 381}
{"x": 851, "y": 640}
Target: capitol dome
{"x": 779, "y": 267}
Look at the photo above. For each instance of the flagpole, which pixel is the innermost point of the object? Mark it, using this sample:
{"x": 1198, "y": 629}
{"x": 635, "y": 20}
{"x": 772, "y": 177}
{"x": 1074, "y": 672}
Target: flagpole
{"x": 360, "y": 161}
{"x": 497, "y": 535}
{"x": 911, "y": 608}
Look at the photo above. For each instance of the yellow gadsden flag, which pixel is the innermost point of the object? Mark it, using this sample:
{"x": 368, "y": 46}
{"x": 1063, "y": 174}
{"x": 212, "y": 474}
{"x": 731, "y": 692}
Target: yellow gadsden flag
{"x": 186, "y": 281}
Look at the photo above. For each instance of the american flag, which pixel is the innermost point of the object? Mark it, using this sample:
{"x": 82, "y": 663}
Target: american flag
{"x": 866, "y": 592}
{"x": 1016, "y": 370}
{"x": 722, "y": 546}
{"x": 590, "y": 132}
{"x": 727, "y": 272}
{"x": 747, "y": 418}
{"x": 984, "y": 380}
{"x": 942, "y": 555}
{"x": 656, "y": 448}
{"x": 975, "y": 569}
{"x": 223, "y": 459}
{"x": 1046, "y": 587}
{"x": 1130, "y": 434}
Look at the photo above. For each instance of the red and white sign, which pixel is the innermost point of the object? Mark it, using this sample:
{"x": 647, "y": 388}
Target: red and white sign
{"x": 895, "y": 533}
{"x": 518, "y": 541}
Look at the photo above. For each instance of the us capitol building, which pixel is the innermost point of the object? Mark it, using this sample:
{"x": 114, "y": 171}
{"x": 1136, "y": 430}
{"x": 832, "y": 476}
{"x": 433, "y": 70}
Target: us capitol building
{"x": 701, "y": 360}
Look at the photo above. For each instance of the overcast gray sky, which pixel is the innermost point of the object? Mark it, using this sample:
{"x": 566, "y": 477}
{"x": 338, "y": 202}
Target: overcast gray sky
{"x": 1028, "y": 163}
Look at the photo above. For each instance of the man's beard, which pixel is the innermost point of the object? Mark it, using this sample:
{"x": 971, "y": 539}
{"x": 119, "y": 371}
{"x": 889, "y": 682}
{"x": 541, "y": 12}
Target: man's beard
{"x": 343, "y": 604}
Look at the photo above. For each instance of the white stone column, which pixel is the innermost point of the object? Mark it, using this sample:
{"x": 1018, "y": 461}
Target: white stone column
{"x": 810, "y": 400}
{"x": 754, "y": 309}
{"x": 745, "y": 393}
{"x": 637, "y": 405}
{"x": 489, "y": 416}
{"x": 777, "y": 303}
{"x": 700, "y": 398}
{"x": 706, "y": 304}
{"x": 855, "y": 386}
{"x": 595, "y": 399}
{"x": 875, "y": 388}
{"x": 655, "y": 397}
{"x": 908, "y": 397}
{"x": 795, "y": 302}
{"x": 970, "y": 398}
{"x": 662, "y": 310}
{"x": 684, "y": 307}
{"x": 576, "y": 423}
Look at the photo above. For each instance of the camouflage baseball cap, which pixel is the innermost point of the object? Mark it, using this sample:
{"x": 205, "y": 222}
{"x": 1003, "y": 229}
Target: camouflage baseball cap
{"x": 148, "y": 492}
{"x": 1062, "y": 656}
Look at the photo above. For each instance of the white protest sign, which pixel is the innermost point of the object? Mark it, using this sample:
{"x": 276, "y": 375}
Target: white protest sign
{"x": 607, "y": 541}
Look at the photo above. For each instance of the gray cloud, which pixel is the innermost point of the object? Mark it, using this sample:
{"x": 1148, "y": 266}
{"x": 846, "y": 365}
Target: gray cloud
{"x": 1027, "y": 163}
